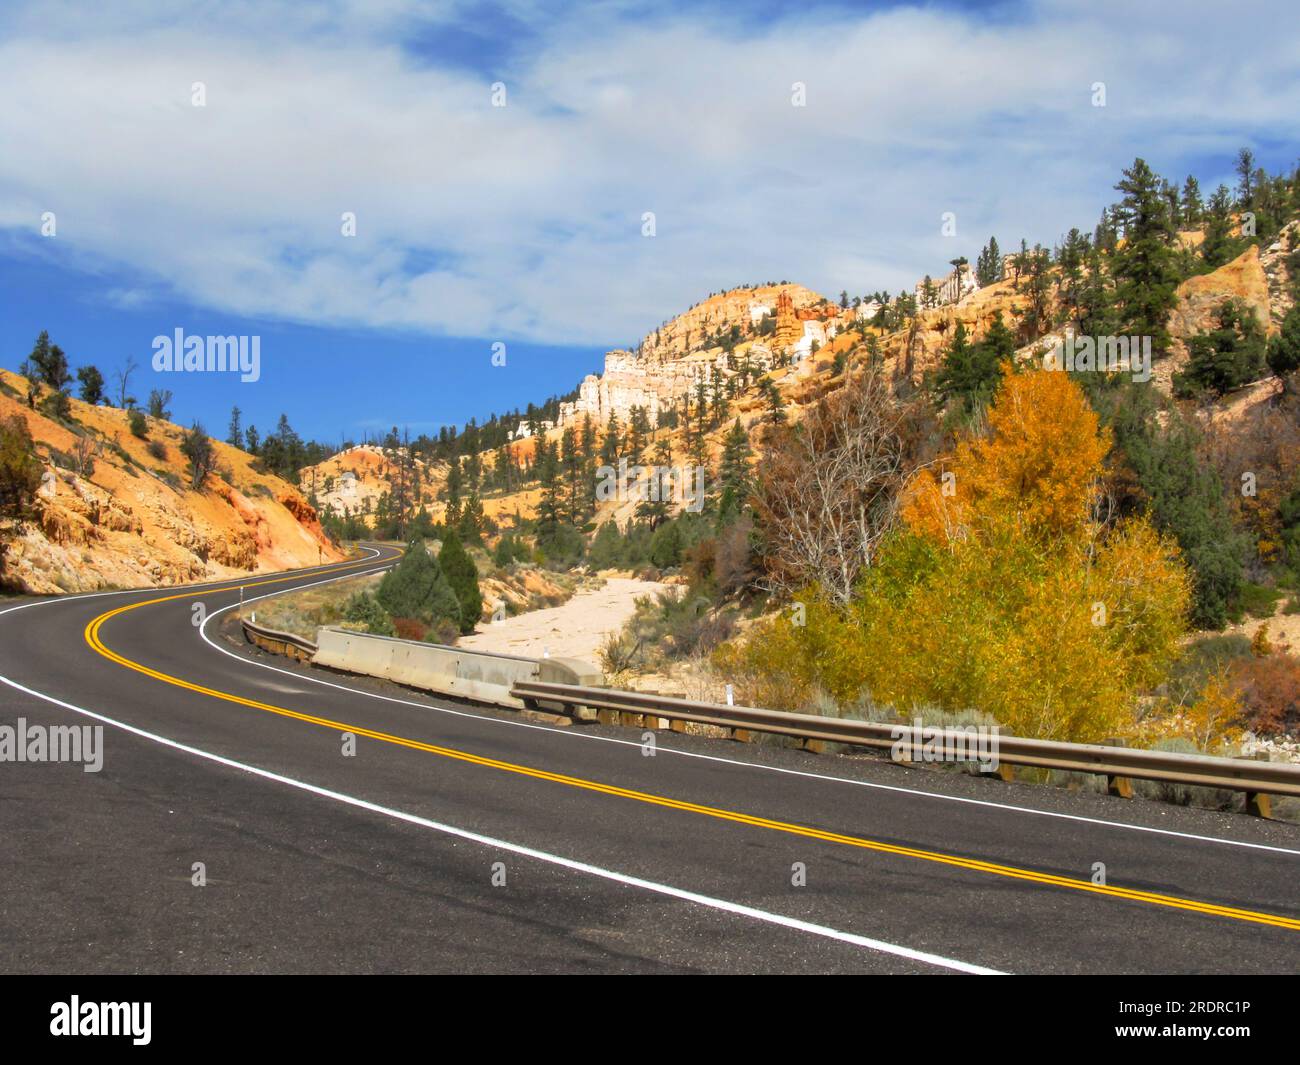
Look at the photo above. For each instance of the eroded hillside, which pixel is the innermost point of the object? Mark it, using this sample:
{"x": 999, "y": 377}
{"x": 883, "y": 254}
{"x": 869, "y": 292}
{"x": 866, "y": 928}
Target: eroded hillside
{"x": 115, "y": 509}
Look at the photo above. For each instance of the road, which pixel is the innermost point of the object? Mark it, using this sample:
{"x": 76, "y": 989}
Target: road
{"x": 457, "y": 839}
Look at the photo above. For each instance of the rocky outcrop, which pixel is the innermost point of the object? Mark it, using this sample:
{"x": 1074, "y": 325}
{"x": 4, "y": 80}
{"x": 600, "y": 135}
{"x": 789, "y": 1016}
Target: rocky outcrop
{"x": 352, "y": 481}
{"x": 736, "y": 307}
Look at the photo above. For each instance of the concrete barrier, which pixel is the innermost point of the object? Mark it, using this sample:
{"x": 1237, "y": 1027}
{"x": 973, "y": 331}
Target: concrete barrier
{"x": 476, "y": 675}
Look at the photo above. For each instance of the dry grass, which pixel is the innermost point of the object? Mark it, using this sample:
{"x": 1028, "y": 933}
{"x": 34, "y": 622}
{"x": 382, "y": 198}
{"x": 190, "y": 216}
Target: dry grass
{"x": 302, "y": 612}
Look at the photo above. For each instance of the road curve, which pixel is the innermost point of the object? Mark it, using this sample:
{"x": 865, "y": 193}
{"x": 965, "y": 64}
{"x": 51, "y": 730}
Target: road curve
{"x": 458, "y": 839}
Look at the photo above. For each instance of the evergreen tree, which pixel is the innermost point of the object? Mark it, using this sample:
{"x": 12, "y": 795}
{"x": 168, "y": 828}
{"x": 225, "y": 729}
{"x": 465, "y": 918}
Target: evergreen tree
{"x": 928, "y": 294}
{"x": 1070, "y": 283}
{"x": 733, "y": 474}
{"x": 1284, "y": 349}
{"x": 666, "y": 545}
{"x": 609, "y": 446}
{"x": 363, "y": 610}
{"x": 417, "y": 588}
{"x": 235, "y": 434}
{"x": 1037, "y": 286}
{"x": 33, "y": 367}
{"x": 1246, "y": 179}
{"x": 988, "y": 265}
{"x": 1193, "y": 209}
{"x": 970, "y": 372}
{"x": 451, "y": 493}
{"x": 1172, "y": 203}
{"x": 1186, "y": 499}
{"x": 91, "y": 383}
{"x": 606, "y": 549}
{"x": 1145, "y": 267}
{"x": 462, "y": 575}
{"x": 472, "y": 520}
{"x": 550, "y": 509}
{"x": 1220, "y": 244}
{"x": 50, "y": 362}
{"x": 1226, "y": 357}
{"x": 775, "y": 404}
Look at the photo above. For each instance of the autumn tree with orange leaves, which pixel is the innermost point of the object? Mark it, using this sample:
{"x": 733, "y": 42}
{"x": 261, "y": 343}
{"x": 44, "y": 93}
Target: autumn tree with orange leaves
{"x": 1005, "y": 589}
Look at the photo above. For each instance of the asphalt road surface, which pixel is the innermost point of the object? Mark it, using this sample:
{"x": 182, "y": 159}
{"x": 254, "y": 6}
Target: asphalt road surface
{"x": 459, "y": 839}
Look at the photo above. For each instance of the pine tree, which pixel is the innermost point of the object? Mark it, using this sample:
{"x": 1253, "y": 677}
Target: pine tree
{"x": 1220, "y": 245}
{"x": 1145, "y": 267}
{"x": 472, "y": 520}
{"x": 609, "y": 446}
{"x": 606, "y": 547}
{"x": 988, "y": 265}
{"x": 417, "y": 588}
{"x": 92, "y": 385}
{"x": 1193, "y": 209}
{"x": 1096, "y": 310}
{"x": 734, "y": 480}
{"x": 235, "y": 435}
{"x": 550, "y": 509}
{"x": 1225, "y": 358}
{"x": 451, "y": 493}
{"x": 928, "y": 296}
{"x": 363, "y": 609}
{"x": 1037, "y": 285}
{"x": 1246, "y": 186}
{"x": 1284, "y": 349}
{"x": 970, "y": 372}
{"x": 571, "y": 459}
{"x": 1185, "y": 498}
{"x": 775, "y": 404}
{"x": 462, "y": 574}
{"x": 1073, "y": 254}
{"x": 719, "y": 406}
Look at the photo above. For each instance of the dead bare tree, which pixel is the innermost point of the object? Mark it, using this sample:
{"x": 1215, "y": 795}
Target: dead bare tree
{"x": 123, "y": 376}
{"x": 829, "y": 487}
{"x": 84, "y": 452}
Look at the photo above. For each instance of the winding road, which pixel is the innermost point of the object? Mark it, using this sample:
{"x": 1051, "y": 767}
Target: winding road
{"x": 346, "y": 825}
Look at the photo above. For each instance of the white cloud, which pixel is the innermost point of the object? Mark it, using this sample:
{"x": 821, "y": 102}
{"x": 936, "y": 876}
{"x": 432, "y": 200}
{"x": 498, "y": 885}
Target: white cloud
{"x": 527, "y": 219}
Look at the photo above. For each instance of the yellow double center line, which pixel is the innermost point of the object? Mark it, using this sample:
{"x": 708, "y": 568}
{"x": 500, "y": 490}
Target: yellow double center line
{"x": 92, "y": 635}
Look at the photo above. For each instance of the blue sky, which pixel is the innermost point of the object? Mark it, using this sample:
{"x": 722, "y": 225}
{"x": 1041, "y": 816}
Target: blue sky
{"x": 522, "y": 224}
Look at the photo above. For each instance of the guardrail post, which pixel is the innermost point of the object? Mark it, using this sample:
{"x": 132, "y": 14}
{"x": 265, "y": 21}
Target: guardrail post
{"x": 1120, "y": 787}
{"x": 1001, "y": 770}
{"x": 741, "y": 735}
{"x": 1259, "y": 804}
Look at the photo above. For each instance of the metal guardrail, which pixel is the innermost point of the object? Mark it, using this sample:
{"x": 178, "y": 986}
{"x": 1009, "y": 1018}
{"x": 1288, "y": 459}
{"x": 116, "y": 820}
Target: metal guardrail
{"x": 1257, "y": 779}
{"x": 253, "y": 633}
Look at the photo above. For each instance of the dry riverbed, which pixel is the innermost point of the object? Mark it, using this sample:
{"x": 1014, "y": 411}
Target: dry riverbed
{"x": 575, "y": 629}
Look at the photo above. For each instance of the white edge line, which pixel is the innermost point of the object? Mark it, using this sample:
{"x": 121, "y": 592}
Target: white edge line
{"x": 569, "y": 734}
{"x": 528, "y": 852}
